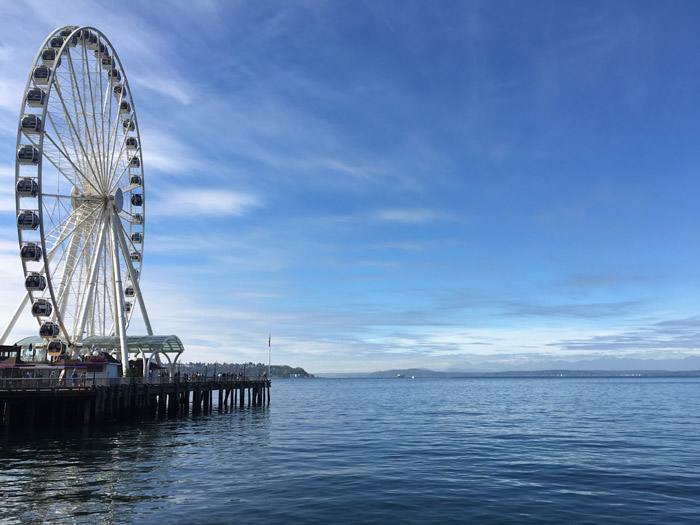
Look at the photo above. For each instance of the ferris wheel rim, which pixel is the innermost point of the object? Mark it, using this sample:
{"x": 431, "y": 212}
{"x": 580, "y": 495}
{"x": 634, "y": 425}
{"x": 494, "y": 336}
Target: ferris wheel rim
{"x": 110, "y": 190}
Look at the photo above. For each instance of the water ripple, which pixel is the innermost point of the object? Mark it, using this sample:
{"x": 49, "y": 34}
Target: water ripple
{"x": 368, "y": 451}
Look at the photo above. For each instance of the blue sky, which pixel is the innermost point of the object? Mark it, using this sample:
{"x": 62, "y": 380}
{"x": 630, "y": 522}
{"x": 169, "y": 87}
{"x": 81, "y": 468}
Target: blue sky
{"x": 396, "y": 184}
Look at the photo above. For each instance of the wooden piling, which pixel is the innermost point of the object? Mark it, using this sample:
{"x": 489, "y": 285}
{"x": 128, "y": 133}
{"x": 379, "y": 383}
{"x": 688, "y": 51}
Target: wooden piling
{"x": 56, "y": 405}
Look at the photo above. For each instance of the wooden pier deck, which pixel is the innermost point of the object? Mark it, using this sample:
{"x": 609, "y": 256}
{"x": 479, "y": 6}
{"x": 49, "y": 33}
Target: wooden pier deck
{"x": 48, "y": 402}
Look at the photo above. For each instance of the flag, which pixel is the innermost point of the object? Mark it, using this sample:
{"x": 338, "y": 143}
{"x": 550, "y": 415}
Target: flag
{"x": 268, "y": 340}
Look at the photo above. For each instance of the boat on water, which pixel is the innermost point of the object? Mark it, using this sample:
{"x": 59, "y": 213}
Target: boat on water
{"x": 400, "y": 376}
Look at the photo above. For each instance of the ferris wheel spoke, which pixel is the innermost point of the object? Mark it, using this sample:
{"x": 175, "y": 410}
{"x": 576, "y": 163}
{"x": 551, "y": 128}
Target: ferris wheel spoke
{"x": 91, "y": 90}
{"x": 105, "y": 100}
{"x": 76, "y": 95}
{"x": 54, "y": 161}
{"x": 65, "y": 155}
{"x": 75, "y": 134}
{"x": 82, "y": 158}
{"x": 117, "y": 178}
{"x": 74, "y": 129}
{"x": 83, "y": 199}
{"x": 81, "y": 98}
{"x": 114, "y": 160}
{"x": 65, "y": 149}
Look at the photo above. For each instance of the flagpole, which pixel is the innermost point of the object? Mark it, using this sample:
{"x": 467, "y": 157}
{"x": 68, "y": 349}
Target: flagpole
{"x": 269, "y": 356}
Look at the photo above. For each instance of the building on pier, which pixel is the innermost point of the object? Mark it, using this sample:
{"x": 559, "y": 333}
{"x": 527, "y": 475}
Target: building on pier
{"x": 159, "y": 351}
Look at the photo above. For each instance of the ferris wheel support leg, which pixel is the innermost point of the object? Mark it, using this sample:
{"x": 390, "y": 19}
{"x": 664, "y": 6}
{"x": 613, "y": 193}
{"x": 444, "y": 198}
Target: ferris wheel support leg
{"x": 134, "y": 282}
{"x": 12, "y": 322}
{"x": 92, "y": 281}
{"x": 119, "y": 297}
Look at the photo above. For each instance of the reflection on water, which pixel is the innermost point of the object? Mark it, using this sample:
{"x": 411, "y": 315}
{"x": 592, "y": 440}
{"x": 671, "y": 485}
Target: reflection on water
{"x": 110, "y": 472}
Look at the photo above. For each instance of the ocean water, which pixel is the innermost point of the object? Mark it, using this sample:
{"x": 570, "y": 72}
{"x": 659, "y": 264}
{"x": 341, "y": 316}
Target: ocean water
{"x": 491, "y": 450}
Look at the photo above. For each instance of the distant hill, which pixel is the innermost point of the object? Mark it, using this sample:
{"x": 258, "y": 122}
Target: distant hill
{"x": 423, "y": 373}
{"x": 408, "y": 372}
{"x": 251, "y": 369}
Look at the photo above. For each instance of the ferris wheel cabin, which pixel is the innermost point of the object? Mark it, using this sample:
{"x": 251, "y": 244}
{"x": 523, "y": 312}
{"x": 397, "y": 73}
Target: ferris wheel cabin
{"x": 30, "y": 252}
{"x": 41, "y": 75}
{"x": 65, "y": 33}
{"x": 31, "y": 124}
{"x": 48, "y": 329}
{"x": 36, "y": 97}
{"x": 50, "y": 58}
{"x": 27, "y": 187}
{"x": 41, "y": 308}
{"x": 34, "y": 282}
{"x": 27, "y": 155}
{"x": 119, "y": 91}
{"x": 27, "y": 220}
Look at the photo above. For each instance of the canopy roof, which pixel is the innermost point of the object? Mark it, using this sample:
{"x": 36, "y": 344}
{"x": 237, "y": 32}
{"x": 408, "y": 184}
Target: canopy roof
{"x": 136, "y": 343}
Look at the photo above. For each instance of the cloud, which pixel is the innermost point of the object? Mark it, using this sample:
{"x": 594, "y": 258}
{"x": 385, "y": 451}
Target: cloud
{"x": 201, "y": 203}
{"x": 674, "y": 334}
{"x": 164, "y": 152}
{"x": 7, "y": 190}
{"x": 580, "y": 311}
{"x": 413, "y": 216}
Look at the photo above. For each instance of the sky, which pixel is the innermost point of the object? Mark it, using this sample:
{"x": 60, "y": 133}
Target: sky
{"x": 394, "y": 184}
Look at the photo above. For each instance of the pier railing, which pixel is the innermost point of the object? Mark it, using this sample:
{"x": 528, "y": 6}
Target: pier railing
{"x": 25, "y": 383}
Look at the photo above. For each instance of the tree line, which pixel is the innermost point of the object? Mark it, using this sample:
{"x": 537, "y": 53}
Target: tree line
{"x": 251, "y": 369}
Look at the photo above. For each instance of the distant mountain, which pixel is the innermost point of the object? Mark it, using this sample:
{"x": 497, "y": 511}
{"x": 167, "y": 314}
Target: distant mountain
{"x": 408, "y": 372}
{"x": 494, "y": 366}
{"x": 419, "y": 373}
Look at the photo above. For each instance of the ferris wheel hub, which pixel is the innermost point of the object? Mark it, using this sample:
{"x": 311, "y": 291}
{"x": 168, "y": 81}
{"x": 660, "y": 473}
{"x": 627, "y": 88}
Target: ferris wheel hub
{"x": 118, "y": 198}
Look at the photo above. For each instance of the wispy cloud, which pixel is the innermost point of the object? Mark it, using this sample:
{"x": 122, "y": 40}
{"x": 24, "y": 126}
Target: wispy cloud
{"x": 581, "y": 311}
{"x": 673, "y": 334}
{"x": 408, "y": 215}
{"x": 7, "y": 190}
{"x": 201, "y": 204}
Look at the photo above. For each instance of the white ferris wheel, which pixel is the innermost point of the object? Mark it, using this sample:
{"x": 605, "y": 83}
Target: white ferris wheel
{"x": 79, "y": 192}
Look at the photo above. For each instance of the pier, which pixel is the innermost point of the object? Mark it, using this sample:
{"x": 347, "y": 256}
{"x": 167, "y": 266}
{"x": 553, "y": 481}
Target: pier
{"x": 28, "y": 402}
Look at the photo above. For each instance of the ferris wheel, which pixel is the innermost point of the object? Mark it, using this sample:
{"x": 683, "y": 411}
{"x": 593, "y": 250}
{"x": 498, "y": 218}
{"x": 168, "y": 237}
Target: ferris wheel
{"x": 79, "y": 192}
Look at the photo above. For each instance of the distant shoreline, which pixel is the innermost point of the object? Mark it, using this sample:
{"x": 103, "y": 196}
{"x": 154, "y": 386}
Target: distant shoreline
{"x": 423, "y": 374}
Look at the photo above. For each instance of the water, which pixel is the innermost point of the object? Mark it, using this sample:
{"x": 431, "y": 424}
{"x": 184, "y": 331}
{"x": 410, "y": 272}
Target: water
{"x": 373, "y": 451}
